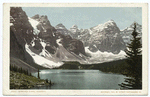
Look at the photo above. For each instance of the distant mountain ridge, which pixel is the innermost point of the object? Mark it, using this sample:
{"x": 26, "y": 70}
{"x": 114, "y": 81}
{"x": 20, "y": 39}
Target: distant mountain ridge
{"x": 104, "y": 37}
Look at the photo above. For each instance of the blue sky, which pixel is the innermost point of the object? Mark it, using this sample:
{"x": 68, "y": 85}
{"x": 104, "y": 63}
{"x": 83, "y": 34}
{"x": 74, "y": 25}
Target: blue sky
{"x": 87, "y": 17}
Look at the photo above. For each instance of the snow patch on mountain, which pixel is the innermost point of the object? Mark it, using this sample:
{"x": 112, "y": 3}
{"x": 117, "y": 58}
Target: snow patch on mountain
{"x": 100, "y": 57}
{"x": 34, "y": 24}
{"x": 44, "y": 52}
{"x": 58, "y": 42}
{"x": 100, "y": 27}
{"x": 41, "y": 60}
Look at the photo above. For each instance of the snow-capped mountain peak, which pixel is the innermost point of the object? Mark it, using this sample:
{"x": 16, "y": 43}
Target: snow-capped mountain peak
{"x": 110, "y": 23}
{"x": 107, "y": 25}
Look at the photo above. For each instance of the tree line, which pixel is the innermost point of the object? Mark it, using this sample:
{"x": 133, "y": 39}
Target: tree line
{"x": 19, "y": 69}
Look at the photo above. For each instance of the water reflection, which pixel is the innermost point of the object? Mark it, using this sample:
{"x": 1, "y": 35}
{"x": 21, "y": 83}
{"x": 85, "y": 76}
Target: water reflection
{"x": 80, "y": 79}
{"x": 131, "y": 83}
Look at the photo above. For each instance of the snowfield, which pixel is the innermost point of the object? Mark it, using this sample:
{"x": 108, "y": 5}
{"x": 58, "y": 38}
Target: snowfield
{"x": 99, "y": 57}
{"x": 44, "y": 52}
{"x": 41, "y": 60}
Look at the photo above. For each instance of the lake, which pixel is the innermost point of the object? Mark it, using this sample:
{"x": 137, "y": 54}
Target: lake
{"x": 80, "y": 79}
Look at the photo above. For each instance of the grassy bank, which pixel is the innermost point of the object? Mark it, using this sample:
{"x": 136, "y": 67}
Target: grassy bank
{"x": 22, "y": 81}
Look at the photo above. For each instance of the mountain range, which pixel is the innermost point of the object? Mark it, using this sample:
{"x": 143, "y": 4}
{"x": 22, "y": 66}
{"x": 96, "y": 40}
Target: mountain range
{"x": 37, "y": 43}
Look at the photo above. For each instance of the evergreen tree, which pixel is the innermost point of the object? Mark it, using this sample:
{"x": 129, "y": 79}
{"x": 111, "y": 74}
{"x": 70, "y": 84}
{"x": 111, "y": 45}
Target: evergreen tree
{"x": 21, "y": 70}
{"x": 27, "y": 72}
{"x": 38, "y": 74}
{"x": 134, "y": 60}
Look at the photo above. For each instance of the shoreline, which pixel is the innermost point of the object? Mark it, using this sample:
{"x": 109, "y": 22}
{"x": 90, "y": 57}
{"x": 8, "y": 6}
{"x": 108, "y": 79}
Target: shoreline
{"x": 22, "y": 81}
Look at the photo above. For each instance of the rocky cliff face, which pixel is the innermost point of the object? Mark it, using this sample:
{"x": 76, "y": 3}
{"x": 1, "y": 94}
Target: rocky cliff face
{"x": 106, "y": 37}
{"x": 21, "y": 32}
{"x": 20, "y": 26}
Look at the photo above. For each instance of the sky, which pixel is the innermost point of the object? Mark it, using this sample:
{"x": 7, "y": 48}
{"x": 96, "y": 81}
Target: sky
{"x": 87, "y": 17}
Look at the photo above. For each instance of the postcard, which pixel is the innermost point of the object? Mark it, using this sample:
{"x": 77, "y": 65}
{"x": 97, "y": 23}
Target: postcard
{"x": 75, "y": 49}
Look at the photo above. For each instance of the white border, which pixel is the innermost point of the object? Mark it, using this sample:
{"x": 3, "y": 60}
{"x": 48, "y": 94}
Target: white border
{"x": 6, "y": 46}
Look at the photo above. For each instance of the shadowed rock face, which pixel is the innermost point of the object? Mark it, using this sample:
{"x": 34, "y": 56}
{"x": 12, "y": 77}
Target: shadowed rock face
{"x": 21, "y": 26}
{"x": 36, "y": 17}
{"x": 72, "y": 45}
{"x": 37, "y": 45}
{"x": 16, "y": 50}
{"x": 21, "y": 32}
{"x": 76, "y": 46}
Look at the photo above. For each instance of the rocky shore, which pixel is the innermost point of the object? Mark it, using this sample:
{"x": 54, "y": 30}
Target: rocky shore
{"x": 22, "y": 81}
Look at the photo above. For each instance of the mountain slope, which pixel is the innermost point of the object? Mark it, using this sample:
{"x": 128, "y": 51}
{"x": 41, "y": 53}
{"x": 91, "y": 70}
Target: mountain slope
{"x": 64, "y": 55}
{"x": 20, "y": 34}
{"x": 21, "y": 64}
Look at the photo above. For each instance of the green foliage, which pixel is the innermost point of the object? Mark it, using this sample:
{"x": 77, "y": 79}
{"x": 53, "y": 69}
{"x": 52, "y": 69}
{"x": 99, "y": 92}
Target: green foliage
{"x": 118, "y": 66}
{"x": 134, "y": 60}
{"x": 18, "y": 69}
{"x": 23, "y": 81}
